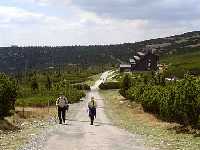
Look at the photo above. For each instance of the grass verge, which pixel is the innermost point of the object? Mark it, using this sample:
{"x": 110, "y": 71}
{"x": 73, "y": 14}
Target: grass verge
{"x": 130, "y": 116}
{"x": 36, "y": 101}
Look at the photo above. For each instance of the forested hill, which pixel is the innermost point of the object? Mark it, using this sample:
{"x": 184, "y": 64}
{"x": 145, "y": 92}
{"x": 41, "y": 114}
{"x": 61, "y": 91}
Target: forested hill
{"x": 18, "y": 58}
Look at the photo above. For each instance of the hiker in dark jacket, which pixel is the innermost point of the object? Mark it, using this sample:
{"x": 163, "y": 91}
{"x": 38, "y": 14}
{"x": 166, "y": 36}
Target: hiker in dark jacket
{"x": 92, "y": 105}
{"x": 62, "y": 104}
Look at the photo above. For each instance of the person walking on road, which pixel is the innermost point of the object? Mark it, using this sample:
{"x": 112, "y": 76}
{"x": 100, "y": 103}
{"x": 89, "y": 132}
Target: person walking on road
{"x": 62, "y": 104}
{"x": 92, "y": 105}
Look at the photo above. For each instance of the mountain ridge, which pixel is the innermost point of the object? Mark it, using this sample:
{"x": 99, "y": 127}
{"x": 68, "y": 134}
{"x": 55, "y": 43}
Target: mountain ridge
{"x": 16, "y": 58}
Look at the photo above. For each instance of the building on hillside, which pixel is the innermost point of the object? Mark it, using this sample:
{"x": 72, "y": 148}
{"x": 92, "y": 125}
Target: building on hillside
{"x": 142, "y": 61}
{"x": 125, "y": 67}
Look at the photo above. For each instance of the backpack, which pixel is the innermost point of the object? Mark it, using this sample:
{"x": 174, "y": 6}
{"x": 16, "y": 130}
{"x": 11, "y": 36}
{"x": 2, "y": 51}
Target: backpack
{"x": 62, "y": 102}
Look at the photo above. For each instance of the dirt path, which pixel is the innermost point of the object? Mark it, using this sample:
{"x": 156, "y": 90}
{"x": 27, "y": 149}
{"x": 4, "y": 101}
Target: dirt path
{"x": 78, "y": 134}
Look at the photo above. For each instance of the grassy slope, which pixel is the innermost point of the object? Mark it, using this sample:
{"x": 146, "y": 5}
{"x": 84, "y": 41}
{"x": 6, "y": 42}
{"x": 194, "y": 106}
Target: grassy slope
{"x": 156, "y": 133}
{"x": 183, "y": 62}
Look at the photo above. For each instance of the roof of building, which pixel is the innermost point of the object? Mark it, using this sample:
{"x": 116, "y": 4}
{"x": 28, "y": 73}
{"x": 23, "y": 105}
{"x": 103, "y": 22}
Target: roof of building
{"x": 125, "y": 66}
{"x": 140, "y": 53}
{"x": 136, "y": 57}
{"x": 132, "y": 61}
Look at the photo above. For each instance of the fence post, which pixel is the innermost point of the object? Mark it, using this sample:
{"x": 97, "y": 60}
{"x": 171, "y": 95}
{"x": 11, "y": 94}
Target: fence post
{"x": 48, "y": 106}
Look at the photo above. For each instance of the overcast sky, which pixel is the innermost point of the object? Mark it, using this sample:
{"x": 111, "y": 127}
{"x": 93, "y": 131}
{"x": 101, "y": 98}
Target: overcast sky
{"x": 84, "y": 22}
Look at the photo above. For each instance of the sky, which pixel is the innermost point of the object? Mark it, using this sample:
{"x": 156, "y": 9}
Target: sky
{"x": 94, "y": 22}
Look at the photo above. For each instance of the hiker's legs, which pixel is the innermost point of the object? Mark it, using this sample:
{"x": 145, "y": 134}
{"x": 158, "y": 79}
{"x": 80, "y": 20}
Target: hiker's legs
{"x": 91, "y": 119}
{"x": 59, "y": 114}
{"x": 63, "y": 114}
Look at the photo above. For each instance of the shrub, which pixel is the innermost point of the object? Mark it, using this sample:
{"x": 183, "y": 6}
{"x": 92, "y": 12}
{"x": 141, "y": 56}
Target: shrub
{"x": 110, "y": 85}
{"x": 126, "y": 84}
{"x": 186, "y": 103}
{"x": 176, "y": 101}
{"x": 34, "y": 85}
{"x": 151, "y": 98}
{"x": 48, "y": 83}
{"x": 71, "y": 93}
{"x": 8, "y": 94}
{"x": 135, "y": 92}
{"x": 180, "y": 102}
{"x": 81, "y": 86}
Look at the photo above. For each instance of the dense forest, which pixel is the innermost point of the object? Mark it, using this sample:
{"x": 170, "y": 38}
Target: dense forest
{"x": 16, "y": 59}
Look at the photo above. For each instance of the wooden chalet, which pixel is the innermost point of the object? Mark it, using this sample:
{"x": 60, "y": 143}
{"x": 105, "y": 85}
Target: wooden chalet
{"x": 142, "y": 61}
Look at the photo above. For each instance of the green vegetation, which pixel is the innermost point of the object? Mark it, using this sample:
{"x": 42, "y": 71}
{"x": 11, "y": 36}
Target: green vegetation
{"x": 81, "y": 86}
{"x": 36, "y": 101}
{"x": 179, "y": 64}
{"x": 41, "y": 88}
{"x": 177, "y": 101}
{"x": 129, "y": 115}
{"x": 15, "y": 59}
{"x": 92, "y": 79}
{"x": 8, "y": 94}
{"x": 110, "y": 85}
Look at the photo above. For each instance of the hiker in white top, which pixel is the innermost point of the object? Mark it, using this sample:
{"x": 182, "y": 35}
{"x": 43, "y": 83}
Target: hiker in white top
{"x": 62, "y": 104}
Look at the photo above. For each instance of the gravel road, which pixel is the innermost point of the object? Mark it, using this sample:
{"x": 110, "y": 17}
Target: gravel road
{"x": 78, "y": 134}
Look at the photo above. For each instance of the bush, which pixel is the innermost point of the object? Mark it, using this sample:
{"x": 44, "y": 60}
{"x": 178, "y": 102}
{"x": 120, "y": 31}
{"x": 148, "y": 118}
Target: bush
{"x": 34, "y": 85}
{"x": 71, "y": 93}
{"x": 135, "y": 93}
{"x": 186, "y": 101}
{"x": 8, "y": 94}
{"x": 81, "y": 86}
{"x": 48, "y": 83}
{"x": 110, "y": 85}
{"x": 176, "y": 101}
{"x": 151, "y": 98}
{"x": 126, "y": 84}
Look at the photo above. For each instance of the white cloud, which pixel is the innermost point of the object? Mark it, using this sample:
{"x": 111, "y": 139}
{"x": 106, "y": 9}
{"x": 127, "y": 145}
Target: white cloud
{"x": 94, "y": 22}
{"x": 165, "y": 10}
{"x": 46, "y": 2}
{"x": 29, "y": 28}
{"x": 13, "y": 14}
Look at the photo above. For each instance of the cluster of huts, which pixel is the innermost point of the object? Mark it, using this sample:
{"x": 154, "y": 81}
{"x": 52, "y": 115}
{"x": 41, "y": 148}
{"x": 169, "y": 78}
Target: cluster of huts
{"x": 142, "y": 61}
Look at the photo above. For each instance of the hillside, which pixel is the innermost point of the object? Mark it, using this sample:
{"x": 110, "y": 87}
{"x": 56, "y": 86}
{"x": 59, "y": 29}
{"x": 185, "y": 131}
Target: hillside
{"x": 15, "y": 58}
{"x": 179, "y": 64}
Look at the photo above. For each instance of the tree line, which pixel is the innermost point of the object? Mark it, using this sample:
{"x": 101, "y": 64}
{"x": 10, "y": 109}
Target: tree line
{"x": 15, "y": 59}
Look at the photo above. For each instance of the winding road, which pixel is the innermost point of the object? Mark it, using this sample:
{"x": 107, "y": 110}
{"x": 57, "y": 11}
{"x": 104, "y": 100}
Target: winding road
{"x": 78, "y": 134}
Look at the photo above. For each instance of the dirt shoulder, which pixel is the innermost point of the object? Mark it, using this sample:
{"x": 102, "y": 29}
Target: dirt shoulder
{"x": 130, "y": 116}
{"x": 19, "y": 128}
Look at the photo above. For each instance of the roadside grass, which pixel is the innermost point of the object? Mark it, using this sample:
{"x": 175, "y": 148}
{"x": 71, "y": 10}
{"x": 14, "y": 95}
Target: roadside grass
{"x": 36, "y": 101}
{"x": 156, "y": 133}
{"x": 93, "y": 79}
{"x": 18, "y": 129}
